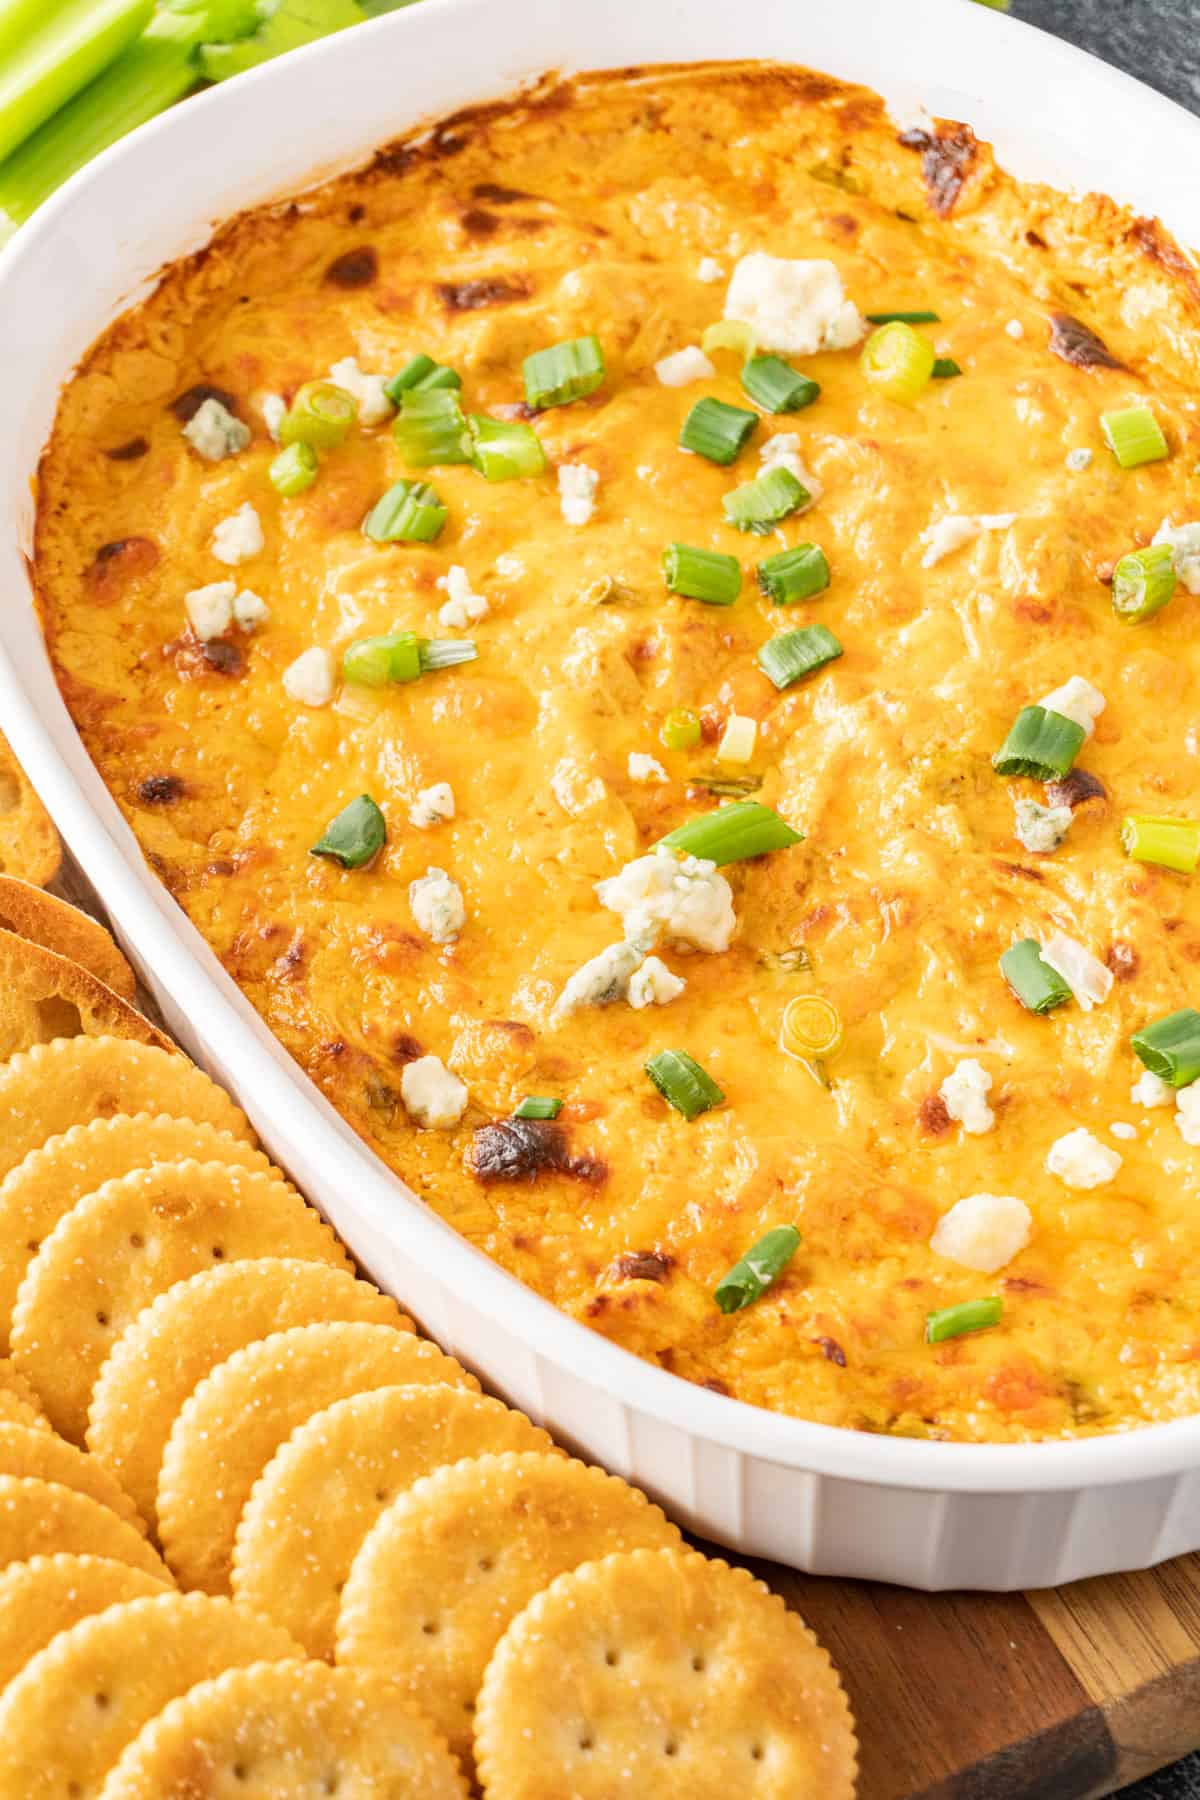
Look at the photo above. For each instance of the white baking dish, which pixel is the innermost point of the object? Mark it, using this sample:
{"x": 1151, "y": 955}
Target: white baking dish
{"x": 836, "y": 1502}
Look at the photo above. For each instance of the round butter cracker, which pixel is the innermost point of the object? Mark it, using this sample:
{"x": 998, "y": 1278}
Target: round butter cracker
{"x": 40, "y": 1518}
{"x": 55, "y": 925}
{"x": 175, "y": 1342}
{"x": 15, "y": 1411}
{"x": 48, "y": 1594}
{"x": 52, "y": 1087}
{"x": 51, "y": 1179}
{"x": 76, "y": 1705}
{"x": 233, "y": 1424}
{"x": 452, "y": 1562}
{"x": 122, "y": 1246}
{"x": 28, "y": 1451}
{"x": 326, "y": 1486}
{"x": 289, "y": 1731}
{"x": 662, "y": 1673}
{"x": 29, "y": 846}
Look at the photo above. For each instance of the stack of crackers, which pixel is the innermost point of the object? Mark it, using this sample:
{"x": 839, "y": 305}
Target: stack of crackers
{"x": 260, "y": 1539}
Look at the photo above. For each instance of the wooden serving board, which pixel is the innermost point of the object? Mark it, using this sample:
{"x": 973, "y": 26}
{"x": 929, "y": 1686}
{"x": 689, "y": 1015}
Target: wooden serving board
{"x": 1060, "y": 1695}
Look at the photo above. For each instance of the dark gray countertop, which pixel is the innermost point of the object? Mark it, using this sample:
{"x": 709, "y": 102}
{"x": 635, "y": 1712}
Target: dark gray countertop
{"x": 1159, "y": 41}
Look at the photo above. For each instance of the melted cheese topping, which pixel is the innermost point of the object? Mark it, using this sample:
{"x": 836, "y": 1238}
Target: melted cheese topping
{"x": 602, "y": 207}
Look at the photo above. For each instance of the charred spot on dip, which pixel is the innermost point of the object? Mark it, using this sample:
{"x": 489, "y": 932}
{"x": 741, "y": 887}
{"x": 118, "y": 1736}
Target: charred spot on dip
{"x": 354, "y": 268}
{"x": 495, "y": 195}
{"x": 185, "y": 406}
{"x": 1078, "y": 344}
{"x": 641, "y": 1265}
{"x": 471, "y": 296}
{"x": 1075, "y": 788}
{"x": 130, "y": 451}
{"x": 523, "y": 1149}
{"x": 832, "y": 1351}
{"x": 160, "y": 790}
{"x": 947, "y": 158}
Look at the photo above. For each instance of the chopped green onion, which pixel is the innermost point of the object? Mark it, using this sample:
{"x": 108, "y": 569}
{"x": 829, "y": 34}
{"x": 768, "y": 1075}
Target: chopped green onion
{"x": 903, "y": 318}
{"x": 760, "y": 505}
{"x": 505, "y": 449}
{"x": 49, "y": 53}
{"x": 969, "y": 1315}
{"x": 717, "y": 431}
{"x": 420, "y": 373}
{"x": 1170, "y": 1047}
{"x": 285, "y": 26}
{"x": 1170, "y": 843}
{"x": 793, "y": 575}
{"x": 1041, "y": 743}
{"x": 681, "y": 729}
{"x": 707, "y": 575}
{"x": 538, "y": 1106}
{"x": 445, "y": 653}
{"x": 732, "y": 834}
{"x": 944, "y": 368}
{"x": 1134, "y": 436}
{"x": 898, "y": 361}
{"x": 681, "y": 1081}
{"x": 321, "y": 416}
{"x": 410, "y": 512}
{"x": 430, "y": 429}
{"x": 793, "y": 654}
{"x": 355, "y": 836}
{"x": 294, "y": 470}
{"x": 377, "y": 661}
{"x": 775, "y": 386}
{"x": 1143, "y": 582}
{"x": 729, "y": 334}
{"x": 563, "y": 373}
{"x": 1037, "y": 986}
{"x": 753, "y": 1273}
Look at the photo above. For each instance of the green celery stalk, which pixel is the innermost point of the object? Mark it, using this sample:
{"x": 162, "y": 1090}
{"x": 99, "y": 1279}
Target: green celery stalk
{"x": 19, "y": 19}
{"x": 59, "y": 57}
{"x": 223, "y": 20}
{"x": 153, "y": 73}
{"x": 291, "y": 24}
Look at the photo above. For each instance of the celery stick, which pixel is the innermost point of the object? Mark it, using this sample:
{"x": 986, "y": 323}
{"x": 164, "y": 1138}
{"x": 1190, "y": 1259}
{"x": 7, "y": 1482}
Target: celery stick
{"x": 152, "y": 74}
{"x": 293, "y": 23}
{"x": 224, "y": 20}
{"x": 60, "y": 57}
{"x": 20, "y": 18}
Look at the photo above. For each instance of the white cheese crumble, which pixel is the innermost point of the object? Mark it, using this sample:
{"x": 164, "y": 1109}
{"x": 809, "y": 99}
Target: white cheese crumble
{"x": 645, "y": 768}
{"x": 965, "y": 1091}
{"x": 709, "y": 269}
{"x": 1081, "y": 1160}
{"x": 684, "y": 898}
{"x": 1086, "y": 976}
{"x": 1187, "y": 1113}
{"x": 983, "y": 1231}
{"x": 1041, "y": 829}
{"x": 214, "y": 433}
{"x": 683, "y": 366}
{"x": 603, "y": 978}
{"x": 1076, "y": 699}
{"x": 373, "y": 404}
{"x": 1185, "y": 548}
{"x": 239, "y": 538}
{"x": 437, "y": 906}
{"x": 1015, "y": 330}
{"x": 1078, "y": 460}
{"x": 273, "y": 410}
{"x": 1151, "y": 1090}
{"x": 949, "y": 534}
{"x": 793, "y": 306}
{"x": 432, "y": 1096}
{"x": 432, "y": 806}
{"x": 1119, "y": 1129}
{"x": 654, "y": 985}
{"x": 782, "y": 451}
{"x": 738, "y": 739}
{"x": 577, "y": 486}
{"x": 250, "y": 610}
{"x": 310, "y": 678}
{"x": 210, "y": 609}
{"x": 463, "y": 607}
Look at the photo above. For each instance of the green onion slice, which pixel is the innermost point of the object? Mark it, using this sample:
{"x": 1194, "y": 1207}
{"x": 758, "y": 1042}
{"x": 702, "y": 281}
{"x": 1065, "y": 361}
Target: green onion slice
{"x": 355, "y": 836}
{"x": 898, "y": 361}
{"x": 760, "y": 505}
{"x": 505, "y": 449}
{"x": 321, "y": 415}
{"x": 1143, "y": 582}
{"x": 792, "y": 655}
{"x": 753, "y": 1273}
{"x": 681, "y": 1081}
{"x": 377, "y": 661}
{"x": 420, "y": 373}
{"x": 681, "y": 729}
{"x": 775, "y": 386}
{"x": 410, "y": 512}
{"x": 1170, "y": 843}
{"x": 294, "y": 470}
{"x": 732, "y": 834}
{"x": 708, "y": 575}
{"x": 1042, "y": 744}
{"x": 538, "y": 1106}
{"x": 793, "y": 575}
{"x": 903, "y": 318}
{"x": 1037, "y": 986}
{"x": 431, "y": 429}
{"x": 969, "y": 1315}
{"x": 1170, "y": 1047}
{"x": 563, "y": 373}
{"x": 717, "y": 431}
{"x": 1134, "y": 436}
{"x": 944, "y": 368}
